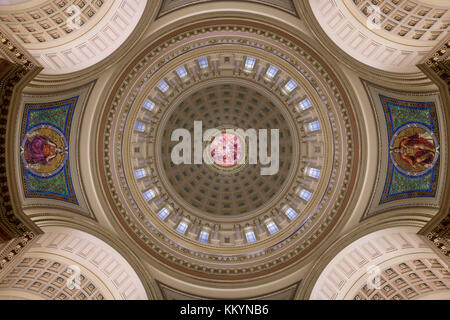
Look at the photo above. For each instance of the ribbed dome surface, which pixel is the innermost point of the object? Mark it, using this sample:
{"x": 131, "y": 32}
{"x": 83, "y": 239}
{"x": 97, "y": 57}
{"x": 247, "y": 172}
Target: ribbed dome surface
{"x": 217, "y": 190}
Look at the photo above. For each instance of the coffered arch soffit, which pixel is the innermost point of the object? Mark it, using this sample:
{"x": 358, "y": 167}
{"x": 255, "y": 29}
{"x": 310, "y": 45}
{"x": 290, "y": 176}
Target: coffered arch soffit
{"x": 60, "y": 248}
{"x": 409, "y": 269}
{"x": 69, "y": 36}
{"x": 408, "y": 31}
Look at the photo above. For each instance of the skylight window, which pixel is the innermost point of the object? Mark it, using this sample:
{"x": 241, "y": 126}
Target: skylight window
{"x": 290, "y": 86}
{"x": 203, "y": 63}
{"x": 163, "y": 213}
{"x": 149, "y": 195}
{"x": 204, "y": 236}
{"x": 314, "y": 173}
{"x": 182, "y": 72}
{"x": 182, "y": 227}
{"x": 272, "y": 227}
{"x": 314, "y": 126}
{"x": 305, "y": 104}
{"x": 140, "y": 173}
{"x": 139, "y": 127}
{"x": 250, "y": 63}
{"x": 250, "y": 236}
{"x": 272, "y": 71}
{"x": 305, "y": 195}
{"x": 291, "y": 213}
{"x": 149, "y": 105}
{"x": 163, "y": 86}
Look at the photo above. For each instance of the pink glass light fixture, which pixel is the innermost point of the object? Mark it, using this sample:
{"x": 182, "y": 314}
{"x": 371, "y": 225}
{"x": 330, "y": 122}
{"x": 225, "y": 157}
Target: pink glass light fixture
{"x": 226, "y": 150}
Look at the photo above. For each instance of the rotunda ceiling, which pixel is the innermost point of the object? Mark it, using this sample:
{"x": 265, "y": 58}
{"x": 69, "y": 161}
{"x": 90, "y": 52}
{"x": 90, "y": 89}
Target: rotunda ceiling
{"x": 213, "y": 220}
{"x": 221, "y": 188}
{"x": 223, "y": 157}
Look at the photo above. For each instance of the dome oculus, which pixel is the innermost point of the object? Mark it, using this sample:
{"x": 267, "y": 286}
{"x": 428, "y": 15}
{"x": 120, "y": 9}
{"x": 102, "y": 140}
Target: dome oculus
{"x": 226, "y": 150}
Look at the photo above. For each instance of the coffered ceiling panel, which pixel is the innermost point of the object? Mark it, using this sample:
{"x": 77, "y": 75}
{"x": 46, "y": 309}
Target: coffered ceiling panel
{"x": 389, "y": 35}
{"x": 70, "y": 35}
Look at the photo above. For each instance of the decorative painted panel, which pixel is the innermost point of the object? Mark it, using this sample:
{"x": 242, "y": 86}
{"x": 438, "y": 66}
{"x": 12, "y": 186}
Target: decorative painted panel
{"x": 45, "y": 139}
{"x": 412, "y": 158}
{"x": 414, "y": 148}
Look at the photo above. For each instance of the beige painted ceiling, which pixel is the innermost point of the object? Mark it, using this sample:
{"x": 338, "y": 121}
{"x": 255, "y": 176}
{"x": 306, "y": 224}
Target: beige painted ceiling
{"x": 216, "y": 191}
{"x": 208, "y": 198}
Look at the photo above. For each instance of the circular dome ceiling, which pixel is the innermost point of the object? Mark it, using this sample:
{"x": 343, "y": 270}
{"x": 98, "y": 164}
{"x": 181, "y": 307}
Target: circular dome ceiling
{"x": 220, "y": 221}
{"x": 219, "y": 188}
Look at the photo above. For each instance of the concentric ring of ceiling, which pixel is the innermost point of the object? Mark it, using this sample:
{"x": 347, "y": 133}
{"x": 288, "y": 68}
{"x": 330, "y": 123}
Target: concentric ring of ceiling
{"x": 130, "y": 160}
{"x": 215, "y": 191}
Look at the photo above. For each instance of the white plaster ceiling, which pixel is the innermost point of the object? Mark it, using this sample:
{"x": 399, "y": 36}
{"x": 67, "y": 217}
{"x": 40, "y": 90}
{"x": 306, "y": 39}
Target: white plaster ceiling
{"x": 44, "y": 29}
{"x": 346, "y": 25}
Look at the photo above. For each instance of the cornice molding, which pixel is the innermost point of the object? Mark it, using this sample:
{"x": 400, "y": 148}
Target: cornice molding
{"x": 436, "y": 66}
{"x": 14, "y": 249}
{"x": 23, "y": 69}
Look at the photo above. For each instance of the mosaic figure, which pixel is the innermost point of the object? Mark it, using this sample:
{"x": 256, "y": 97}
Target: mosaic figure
{"x": 416, "y": 151}
{"x": 40, "y": 149}
{"x": 44, "y": 150}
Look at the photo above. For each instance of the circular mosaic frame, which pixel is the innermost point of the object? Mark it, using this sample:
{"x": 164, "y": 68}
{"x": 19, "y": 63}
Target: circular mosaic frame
{"x": 398, "y": 132}
{"x": 60, "y": 165}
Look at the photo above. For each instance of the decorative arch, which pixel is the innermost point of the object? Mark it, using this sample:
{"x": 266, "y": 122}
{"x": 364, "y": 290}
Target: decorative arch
{"x": 393, "y": 44}
{"x": 409, "y": 269}
{"x": 61, "y": 45}
{"x": 43, "y": 269}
